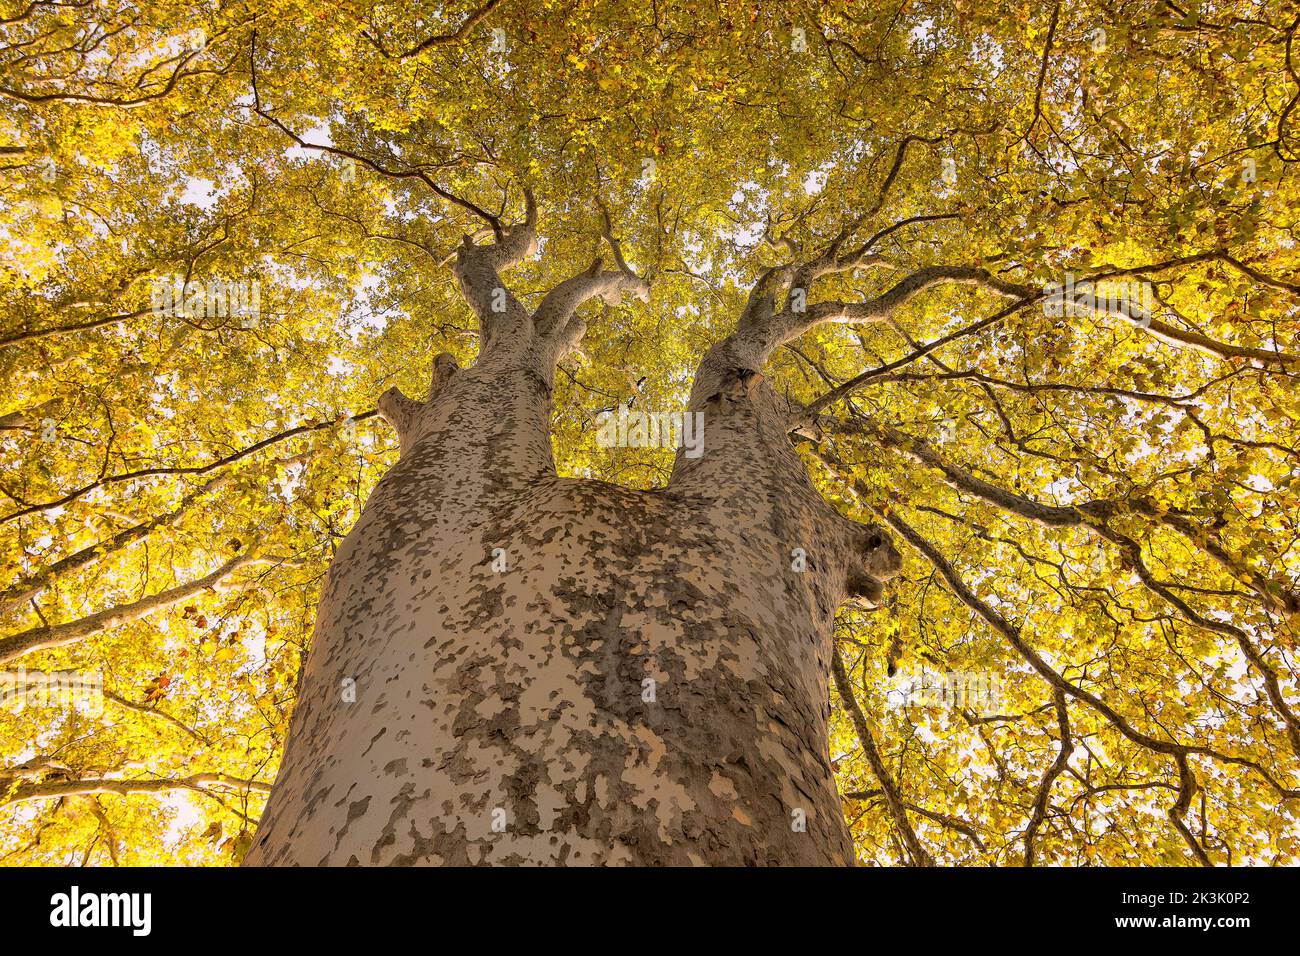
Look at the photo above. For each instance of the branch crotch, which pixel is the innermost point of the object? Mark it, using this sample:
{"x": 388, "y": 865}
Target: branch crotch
{"x": 408, "y": 416}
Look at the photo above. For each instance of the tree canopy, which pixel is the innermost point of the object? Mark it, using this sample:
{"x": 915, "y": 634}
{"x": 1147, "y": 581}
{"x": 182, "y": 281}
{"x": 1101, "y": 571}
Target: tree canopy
{"x": 1077, "y": 413}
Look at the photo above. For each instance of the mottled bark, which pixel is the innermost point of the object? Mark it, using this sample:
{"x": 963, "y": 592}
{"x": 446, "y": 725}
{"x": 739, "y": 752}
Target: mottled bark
{"x": 510, "y": 667}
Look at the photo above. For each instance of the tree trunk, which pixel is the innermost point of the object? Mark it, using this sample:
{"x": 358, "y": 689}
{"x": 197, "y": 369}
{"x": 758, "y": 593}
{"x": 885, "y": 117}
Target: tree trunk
{"x": 510, "y": 667}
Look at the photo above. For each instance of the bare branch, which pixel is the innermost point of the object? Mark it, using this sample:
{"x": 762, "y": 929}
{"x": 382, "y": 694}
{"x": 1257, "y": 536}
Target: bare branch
{"x": 943, "y": 819}
{"x": 1187, "y": 788}
{"x": 369, "y": 163}
{"x": 31, "y": 586}
{"x": 181, "y": 469}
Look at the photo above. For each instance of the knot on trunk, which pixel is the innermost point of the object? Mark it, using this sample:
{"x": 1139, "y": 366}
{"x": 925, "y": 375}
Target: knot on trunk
{"x": 738, "y": 384}
{"x": 875, "y": 560}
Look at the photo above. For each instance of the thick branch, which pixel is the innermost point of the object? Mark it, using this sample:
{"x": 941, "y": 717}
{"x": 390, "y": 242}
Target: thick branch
{"x": 514, "y": 243}
{"x": 403, "y": 413}
{"x": 13, "y": 338}
{"x": 1179, "y": 338}
{"x": 477, "y": 270}
{"x": 72, "y": 788}
{"x": 1058, "y": 766}
{"x": 29, "y": 587}
{"x": 886, "y": 304}
{"x": 564, "y": 299}
{"x": 1187, "y": 788}
{"x": 61, "y": 635}
{"x": 554, "y": 319}
{"x": 764, "y": 330}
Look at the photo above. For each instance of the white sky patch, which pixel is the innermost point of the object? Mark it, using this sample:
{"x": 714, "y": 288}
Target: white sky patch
{"x": 1260, "y": 483}
{"x": 187, "y": 816}
{"x": 1062, "y": 489}
{"x": 290, "y": 481}
{"x": 285, "y": 275}
{"x": 254, "y": 642}
{"x": 339, "y": 367}
{"x": 202, "y": 193}
{"x": 362, "y": 315}
{"x": 751, "y": 235}
{"x": 920, "y": 33}
{"x": 318, "y": 135}
{"x": 987, "y": 50}
{"x": 410, "y": 212}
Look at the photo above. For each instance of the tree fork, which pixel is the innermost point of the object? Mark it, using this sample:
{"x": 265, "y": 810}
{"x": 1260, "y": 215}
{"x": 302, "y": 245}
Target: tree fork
{"x": 511, "y": 667}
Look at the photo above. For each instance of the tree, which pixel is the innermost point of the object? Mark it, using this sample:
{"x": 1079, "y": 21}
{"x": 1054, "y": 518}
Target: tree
{"x": 986, "y": 554}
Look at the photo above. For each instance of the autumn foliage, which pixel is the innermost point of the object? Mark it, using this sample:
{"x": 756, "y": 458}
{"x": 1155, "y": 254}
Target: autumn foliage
{"x": 1098, "y": 505}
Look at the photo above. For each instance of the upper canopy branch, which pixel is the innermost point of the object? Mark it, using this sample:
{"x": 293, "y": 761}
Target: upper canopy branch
{"x": 1095, "y": 516}
{"x": 763, "y": 326}
{"x": 477, "y": 269}
{"x": 154, "y": 82}
{"x": 1169, "y": 746}
{"x": 557, "y": 308}
{"x": 755, "y": 319}
{"x": 441, "y": 39}
{"x": 765, "y": 329}
{"x": 409, "y": 173}
{"x": 887, "y": 303}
